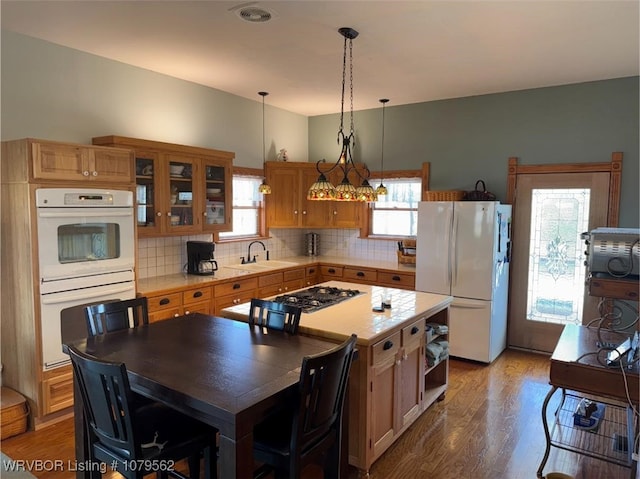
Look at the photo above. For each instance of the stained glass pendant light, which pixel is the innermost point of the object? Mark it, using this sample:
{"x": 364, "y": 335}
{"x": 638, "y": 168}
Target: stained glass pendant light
{"x": 322, "y": 189}
{"x": 264, "y": 188}
{"x": 381, "y": 190}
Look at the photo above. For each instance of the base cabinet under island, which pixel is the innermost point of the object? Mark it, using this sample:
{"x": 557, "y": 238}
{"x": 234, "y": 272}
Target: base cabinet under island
{"x": 393, "y": 382}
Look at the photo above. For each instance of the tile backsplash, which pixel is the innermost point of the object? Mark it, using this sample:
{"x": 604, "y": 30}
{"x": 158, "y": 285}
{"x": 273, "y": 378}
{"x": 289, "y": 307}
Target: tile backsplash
{"x": 162, "y": 256}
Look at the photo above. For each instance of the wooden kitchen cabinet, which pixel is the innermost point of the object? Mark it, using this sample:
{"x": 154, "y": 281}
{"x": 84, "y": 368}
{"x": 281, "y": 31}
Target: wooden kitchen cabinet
{"x": 57, "y": 389}
{"x": 234, "y": 292}
{"x": 397, "y": 280}
{"x": 384, "y": 390}
{"x": 396, "y": 384}
{"x": 312, "y": 275}
{"x": 28, "y": 164}
{"x": 176, "y": 303}
{"x": 287, "y": 206}
{"x": 330, "y": 272}
{"x": 360, "y": 275}
{"x": 65, "y": 162}
{"x": 180, "y": 190}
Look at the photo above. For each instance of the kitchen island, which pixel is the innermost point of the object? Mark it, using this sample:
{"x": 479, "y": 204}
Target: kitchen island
{"x": 393, "y": 382}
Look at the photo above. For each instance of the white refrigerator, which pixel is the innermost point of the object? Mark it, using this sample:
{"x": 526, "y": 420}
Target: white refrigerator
{"x": 463, "y": 250}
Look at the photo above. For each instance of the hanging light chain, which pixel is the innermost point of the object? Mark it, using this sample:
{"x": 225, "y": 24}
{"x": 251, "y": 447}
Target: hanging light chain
{"x": 351, "y": 81}
{"x": 344, "y": 73}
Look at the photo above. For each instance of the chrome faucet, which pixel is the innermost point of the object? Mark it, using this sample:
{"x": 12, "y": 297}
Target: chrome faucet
{"x": 249, "y": 259}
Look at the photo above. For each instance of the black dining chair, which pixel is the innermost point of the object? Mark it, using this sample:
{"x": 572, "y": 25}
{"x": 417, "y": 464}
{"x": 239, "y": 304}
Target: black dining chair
{"x": 116, "y": 315}
{"x": 275, "y": 315}
{"x": 138, "y": 440}
{"x": 310, "y": 431}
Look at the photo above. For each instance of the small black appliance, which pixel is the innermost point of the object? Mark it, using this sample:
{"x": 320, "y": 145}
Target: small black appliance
{"x": 200, "y": 258}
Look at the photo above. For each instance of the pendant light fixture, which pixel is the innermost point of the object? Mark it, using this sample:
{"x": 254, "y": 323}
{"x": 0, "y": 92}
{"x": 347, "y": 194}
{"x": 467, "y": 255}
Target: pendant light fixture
{"x": 381, "y": 190}
{"x": 264, "y": 188}
{"x": 322, "y": 189}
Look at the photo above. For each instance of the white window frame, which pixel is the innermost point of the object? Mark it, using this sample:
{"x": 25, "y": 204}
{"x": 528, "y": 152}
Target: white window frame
{"x": 230, "y": 236}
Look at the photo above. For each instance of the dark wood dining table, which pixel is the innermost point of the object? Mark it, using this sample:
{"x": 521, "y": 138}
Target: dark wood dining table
{"x": 223, "y": 372}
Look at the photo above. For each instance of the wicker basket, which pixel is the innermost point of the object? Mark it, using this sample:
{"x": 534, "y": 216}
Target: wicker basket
{"x": 14, "y": 414}
{"x": 407, "y": 254}
{"x": 406, "y": 258}
{"x": 445, "y": 195}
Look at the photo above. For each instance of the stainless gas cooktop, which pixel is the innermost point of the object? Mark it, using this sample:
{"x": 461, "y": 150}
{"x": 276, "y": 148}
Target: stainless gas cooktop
{"x": 317, "y": 297}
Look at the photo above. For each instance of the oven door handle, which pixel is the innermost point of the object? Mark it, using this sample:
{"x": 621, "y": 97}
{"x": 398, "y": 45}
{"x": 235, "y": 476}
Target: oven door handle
{"x": 84, "y": 214}
{"x": 64, "y": 298}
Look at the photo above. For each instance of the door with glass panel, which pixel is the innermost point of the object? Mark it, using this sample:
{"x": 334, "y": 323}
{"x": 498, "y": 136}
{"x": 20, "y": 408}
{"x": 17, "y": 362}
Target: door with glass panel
{"x": 547, "y": 270}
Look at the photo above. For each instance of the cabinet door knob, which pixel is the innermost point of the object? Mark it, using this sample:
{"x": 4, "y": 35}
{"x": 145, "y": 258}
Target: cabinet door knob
{"x": 94, "y": 173}
{"x": 187, "y": 312}
{"x": 85, "y": 173}
{"x": 304, "y": 212}
{"x": 295, "y": 212}
{"x": 387, "y": 345}
{"x": 159, "y": 213}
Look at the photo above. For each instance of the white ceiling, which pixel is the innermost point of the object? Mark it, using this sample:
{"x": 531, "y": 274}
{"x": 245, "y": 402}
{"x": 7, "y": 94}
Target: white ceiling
{"x": 407, "y": 51}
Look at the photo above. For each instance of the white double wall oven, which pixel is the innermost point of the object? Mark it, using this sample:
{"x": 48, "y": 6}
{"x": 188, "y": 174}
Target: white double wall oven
{"x": 86, "y": 251}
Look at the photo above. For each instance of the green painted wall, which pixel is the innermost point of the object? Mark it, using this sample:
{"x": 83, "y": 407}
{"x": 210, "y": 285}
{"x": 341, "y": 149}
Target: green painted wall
{"x": 467, "y": 139}
{"x": 57, "y": 93}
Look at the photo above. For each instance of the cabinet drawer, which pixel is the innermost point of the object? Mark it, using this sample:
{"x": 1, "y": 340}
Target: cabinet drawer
{"x": 236, "y": 287}
{"x": 232, "y": 300}
{"x": 269, "y": 279}
{"x": 413, "y": 334}
{"x": 57, "y": 392}
{"x": 164, "y": 314}
{"x": 272, "y": 290}
{"x": 398, "y": 280}
{"x": 331, "y": 271}
{"x": 198, "y": 295}
{"x": 164, "y": 301}
{"x": 293, "y": 285}
{"x": 386, "y": 349}
{"x": 293, "y": 274}
{"x": 204, "y": 308}
{"x": 368, "y": 275}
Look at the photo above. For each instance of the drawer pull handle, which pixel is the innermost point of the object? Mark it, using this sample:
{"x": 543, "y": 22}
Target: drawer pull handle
{"x": 396, "y": 278}
{"x": 197, "y": 294}
{"x": 331, "y": 270}
{"x": 236, "y": 286}
{"x": 414, "y": 330}
{"x": 360, "y": 274}
{"x": 387, "y": 345}
{"x": 312, "y": 270}
{"x": 164, "y": 301}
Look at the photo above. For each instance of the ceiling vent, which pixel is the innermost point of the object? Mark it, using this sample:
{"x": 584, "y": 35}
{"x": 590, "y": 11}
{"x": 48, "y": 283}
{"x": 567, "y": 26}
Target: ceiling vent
{"x": 254, "y": 14}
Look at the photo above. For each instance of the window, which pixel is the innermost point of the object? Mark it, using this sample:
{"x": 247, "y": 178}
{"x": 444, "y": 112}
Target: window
{"x": 396, "y": 213}
{"x": 247, "y": 208}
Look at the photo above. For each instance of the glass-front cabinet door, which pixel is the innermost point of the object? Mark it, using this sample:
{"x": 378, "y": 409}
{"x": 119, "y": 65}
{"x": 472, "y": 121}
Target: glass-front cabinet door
{"x": 180, "y": 195}
{"x": 148, "y": 216}
{"x": 217, "y": 195}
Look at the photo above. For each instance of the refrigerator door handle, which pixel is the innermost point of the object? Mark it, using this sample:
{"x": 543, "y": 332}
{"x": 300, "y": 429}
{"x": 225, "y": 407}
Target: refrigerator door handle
{"x": 453, "y": 272}
{"x": 468, "y": 306}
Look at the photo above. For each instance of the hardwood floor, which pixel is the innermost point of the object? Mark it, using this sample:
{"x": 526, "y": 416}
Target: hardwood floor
{"x": 487, "y": 427}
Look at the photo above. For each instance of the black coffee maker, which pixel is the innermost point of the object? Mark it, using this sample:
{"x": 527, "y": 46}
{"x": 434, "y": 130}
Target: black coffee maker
{"x": 200, "y": 258}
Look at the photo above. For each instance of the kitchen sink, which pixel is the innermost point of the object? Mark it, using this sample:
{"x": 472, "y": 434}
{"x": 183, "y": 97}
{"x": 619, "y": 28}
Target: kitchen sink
{"x": 263, "y": 265}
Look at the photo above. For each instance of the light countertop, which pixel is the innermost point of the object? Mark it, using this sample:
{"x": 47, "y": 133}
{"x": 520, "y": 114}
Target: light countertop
{"x": 158, "y": 284}
{"x": 355, "y": 315}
